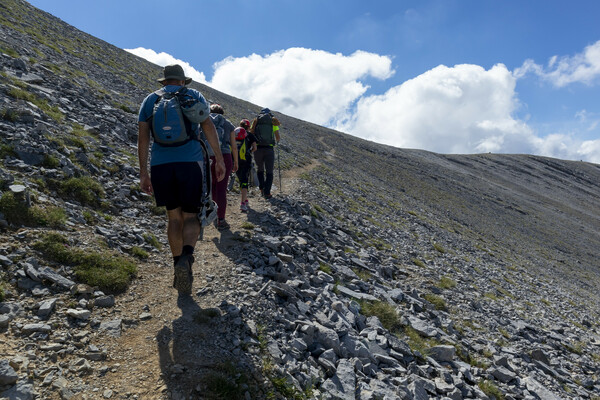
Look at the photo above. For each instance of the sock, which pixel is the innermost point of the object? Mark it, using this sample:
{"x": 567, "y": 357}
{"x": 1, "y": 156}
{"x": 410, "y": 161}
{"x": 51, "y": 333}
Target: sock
{"x": 187, "y": 249}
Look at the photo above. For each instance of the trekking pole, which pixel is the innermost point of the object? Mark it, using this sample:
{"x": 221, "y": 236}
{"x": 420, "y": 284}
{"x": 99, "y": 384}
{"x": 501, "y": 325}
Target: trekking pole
{"x": 279, "y": 168}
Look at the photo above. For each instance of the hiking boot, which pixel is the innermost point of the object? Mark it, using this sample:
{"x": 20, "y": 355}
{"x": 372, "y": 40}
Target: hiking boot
{"x": 243, "y": 207}
{"x": 183, "y": 277}
{"x": 222, "y": 225}
{"x": 268, "y": 196}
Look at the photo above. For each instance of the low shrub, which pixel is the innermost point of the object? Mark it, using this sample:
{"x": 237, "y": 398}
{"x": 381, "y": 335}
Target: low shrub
{"x": 447, "y": 283}
{"x": 152, "y": 240}
{"x": 438, "y": 302}
{"x": 139, "y": 253}
{"x": 108, "y": 271}
{"x": 2, "y": 291}
{"x": 490, "y": 389}
{"x": 84, "y": 189}
{"x": 18, "y": 213}
{"x": 225, "y": 381}
{"x": 384, "y": 311}
{"x": 247, "y": 225}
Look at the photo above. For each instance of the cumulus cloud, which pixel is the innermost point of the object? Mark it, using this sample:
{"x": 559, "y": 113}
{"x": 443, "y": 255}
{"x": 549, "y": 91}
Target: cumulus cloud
{"x": 590, "y": 151}
{"x": 163, "y": 59}
{"x": 314, "y": 85}
{"x": 458, "y": 109}
{"x": 562, "y": 71}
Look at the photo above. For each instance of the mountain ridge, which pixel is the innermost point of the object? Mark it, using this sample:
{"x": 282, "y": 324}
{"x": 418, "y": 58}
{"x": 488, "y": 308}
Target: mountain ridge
{"x": 492, "y": 255}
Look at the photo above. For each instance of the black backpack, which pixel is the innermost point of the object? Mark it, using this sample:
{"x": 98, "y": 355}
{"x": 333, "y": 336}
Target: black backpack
{"x": 264, "y": 130}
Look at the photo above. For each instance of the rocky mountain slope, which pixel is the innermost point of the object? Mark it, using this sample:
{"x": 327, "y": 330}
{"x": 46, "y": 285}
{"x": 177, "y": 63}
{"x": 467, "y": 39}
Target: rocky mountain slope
{"x": 374, "y": 273}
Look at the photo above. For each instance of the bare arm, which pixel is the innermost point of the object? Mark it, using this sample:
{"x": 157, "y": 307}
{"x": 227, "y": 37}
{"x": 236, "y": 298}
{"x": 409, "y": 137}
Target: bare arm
{"x": 213, "y": 140}
{"x": 143, "y": 155}
{"x": 234, "y": 151}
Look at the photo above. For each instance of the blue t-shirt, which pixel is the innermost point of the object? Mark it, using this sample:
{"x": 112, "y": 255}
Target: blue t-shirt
{"x": 189, "y": 152}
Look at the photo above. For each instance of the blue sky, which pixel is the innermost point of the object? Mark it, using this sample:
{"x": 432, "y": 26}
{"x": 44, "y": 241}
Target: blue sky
{"x": 448, "y": 76}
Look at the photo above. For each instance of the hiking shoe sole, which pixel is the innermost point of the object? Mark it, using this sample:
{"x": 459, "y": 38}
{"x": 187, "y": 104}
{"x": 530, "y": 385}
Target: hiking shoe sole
{"x": 222, "y": 225}
{"x": 183, "y": 275}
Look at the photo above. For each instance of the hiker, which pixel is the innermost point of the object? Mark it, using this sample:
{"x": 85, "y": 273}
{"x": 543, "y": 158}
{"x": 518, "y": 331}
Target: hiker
{"x": 246, "y": 144}
{"x": 226, "y": 135}
{"x": 266, "y": 129}
{"x": 176, "y": 164}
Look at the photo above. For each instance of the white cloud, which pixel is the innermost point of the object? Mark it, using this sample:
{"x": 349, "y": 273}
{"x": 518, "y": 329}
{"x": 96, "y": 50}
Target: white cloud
{"x": 163, "y": 59}
{"x": 310, "y": 84}
{"x": 463, "y": 109}
{"x": 460, "y": 109}
{"x": 562, "y": 71}
{"x": 590, "y": 151}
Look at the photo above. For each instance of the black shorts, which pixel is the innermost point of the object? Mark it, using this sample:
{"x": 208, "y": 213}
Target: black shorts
{"x": 178, "y": 185}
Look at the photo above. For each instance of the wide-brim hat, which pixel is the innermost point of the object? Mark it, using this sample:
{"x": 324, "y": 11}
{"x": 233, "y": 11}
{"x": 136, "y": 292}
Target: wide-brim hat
{"x": 175, "y": 71}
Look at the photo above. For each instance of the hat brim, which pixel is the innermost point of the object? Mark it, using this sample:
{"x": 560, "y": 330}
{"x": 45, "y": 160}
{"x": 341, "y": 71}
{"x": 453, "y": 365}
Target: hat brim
{"x": 187, "y": 79}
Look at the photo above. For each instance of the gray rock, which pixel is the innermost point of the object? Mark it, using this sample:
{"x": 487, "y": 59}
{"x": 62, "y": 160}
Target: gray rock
{"x": 342, "y": 385}
{"x": 422, "y": 327}
{"x": 51, "y": 275}
{"x": 442, "y": 353}
{"x": 355, "y": 295}
{"x": 105, "y": 301}
{"x": 539, "y": 355}
{"x": 396, "y": 295}
{"x": 20, "y": 391}
{"x": 539, "y": 390}
{"x": 46, "y": 308}
{"x": 327, "y": 337}
{"x": 8, "y": 376}
{"x": 31, "y": 328}
{"x": 82, "y": 315}
{"x": 502, "y": 374}
{"x": 417, "y": 389}
{"x": 111, "y": 328}
{"x": 4, "y": 321}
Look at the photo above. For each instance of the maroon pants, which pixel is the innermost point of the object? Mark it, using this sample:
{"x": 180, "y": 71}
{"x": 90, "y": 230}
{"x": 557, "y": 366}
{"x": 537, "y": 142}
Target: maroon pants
{"x": 219, "y": 189}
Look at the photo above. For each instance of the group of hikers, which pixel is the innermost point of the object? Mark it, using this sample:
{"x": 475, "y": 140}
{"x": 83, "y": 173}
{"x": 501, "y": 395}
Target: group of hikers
{"x": 192, "y": 154}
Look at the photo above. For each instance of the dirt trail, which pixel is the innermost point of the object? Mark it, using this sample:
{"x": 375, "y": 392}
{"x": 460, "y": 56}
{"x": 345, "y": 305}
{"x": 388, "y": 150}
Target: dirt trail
{"x": 163, "y": 357}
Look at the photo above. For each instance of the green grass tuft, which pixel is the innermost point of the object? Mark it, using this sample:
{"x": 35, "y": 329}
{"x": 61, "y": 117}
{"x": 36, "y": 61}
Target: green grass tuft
{"x": 247, "y": 225}
{"x": 224, "y": 381}
{"x": 418, "y": 262}
{"x": 438, "y": 302}
{"x": 325, "y": 268}
{"x": 83, "y": 189}
{"x": 447, "y": 283}
{"x": 16, "y": 212}
{"x": 108, "y": 271}
{"x": 151, "y": 239}
{"x": 2, "y": 291}
{"x": 490, "y": 389}
{"x": 384, "y": 311}
{"x": 139, "y": 253}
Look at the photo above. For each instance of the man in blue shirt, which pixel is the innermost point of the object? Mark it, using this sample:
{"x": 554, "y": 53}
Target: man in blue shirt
{"x": 176, "y": 175}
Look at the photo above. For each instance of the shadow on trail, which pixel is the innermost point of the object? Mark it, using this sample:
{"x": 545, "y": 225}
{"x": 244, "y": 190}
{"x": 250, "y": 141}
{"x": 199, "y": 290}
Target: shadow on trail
{"x": 197, "y": 354}
{"x": 231, "y": 242}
